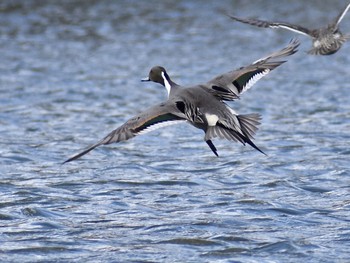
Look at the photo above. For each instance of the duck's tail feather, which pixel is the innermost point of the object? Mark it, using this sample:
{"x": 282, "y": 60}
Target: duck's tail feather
{"x": 248, "y": 126}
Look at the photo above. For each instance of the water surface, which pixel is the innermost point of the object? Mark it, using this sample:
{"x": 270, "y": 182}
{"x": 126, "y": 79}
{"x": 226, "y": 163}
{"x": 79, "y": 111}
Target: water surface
{"x": 70, "y": 73}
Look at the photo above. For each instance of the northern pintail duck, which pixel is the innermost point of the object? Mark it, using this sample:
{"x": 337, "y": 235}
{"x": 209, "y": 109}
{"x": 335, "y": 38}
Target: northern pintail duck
{"x": 202, "y": 105}
{"x": 325, "y": 41}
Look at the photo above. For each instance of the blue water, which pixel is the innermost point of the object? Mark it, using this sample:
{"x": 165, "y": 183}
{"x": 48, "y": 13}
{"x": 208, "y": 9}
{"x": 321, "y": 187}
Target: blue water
{"x": 70, "y": 73}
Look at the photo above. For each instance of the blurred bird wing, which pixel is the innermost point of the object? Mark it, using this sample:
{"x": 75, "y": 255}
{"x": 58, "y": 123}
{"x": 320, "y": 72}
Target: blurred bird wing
{"x": 267, "y": 24}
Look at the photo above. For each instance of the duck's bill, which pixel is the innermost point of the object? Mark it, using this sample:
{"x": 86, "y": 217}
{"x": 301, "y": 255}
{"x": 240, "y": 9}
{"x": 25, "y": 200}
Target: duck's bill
{"x": 145, "y": 79}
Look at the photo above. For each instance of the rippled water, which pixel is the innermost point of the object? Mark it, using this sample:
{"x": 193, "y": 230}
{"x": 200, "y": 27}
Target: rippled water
{"x": 70, "y": 73}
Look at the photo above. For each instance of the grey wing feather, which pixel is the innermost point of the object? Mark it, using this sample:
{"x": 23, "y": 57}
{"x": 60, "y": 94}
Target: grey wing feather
{"x": 230, "y": 85}
{"x": 249, "y": 124}
{"x": 267, "y": 24}
{"x": 155, "y": 117}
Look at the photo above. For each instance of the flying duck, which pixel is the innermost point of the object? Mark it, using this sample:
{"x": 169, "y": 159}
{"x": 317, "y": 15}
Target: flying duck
{"x": 325, "y": 41}
{"x": 202, "y": 105}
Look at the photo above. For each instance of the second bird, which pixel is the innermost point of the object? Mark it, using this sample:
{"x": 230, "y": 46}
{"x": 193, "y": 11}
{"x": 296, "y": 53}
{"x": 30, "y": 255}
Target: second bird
{"x": 325, "y": 40}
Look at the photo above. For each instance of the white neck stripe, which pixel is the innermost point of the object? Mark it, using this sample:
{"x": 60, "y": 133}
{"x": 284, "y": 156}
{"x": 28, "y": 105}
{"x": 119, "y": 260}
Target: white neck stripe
{"x": 166, "y": 83}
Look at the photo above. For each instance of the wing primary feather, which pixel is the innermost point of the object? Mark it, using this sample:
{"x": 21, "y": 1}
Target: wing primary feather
{"x": 82, "y": 153}
{"x": 287, "y": 51}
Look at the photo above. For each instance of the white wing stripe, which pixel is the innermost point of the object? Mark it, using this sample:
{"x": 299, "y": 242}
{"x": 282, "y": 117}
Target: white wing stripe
{"x": 291, "y": 29}
{"x": 254, "y": 79}
{"x": 159, "y": 125}
{"x": 343, "y": 14}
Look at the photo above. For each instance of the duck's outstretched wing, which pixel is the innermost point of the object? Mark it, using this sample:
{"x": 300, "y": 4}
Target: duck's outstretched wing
{"x": 155, "y": 117}
{"x": 268, "y": 24}
{"x": 230, "y": 85}
{"x": 341, "y": 15}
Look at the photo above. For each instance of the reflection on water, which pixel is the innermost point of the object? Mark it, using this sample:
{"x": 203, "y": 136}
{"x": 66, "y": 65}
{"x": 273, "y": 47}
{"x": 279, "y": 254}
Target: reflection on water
{"x": 70, "y": 73}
